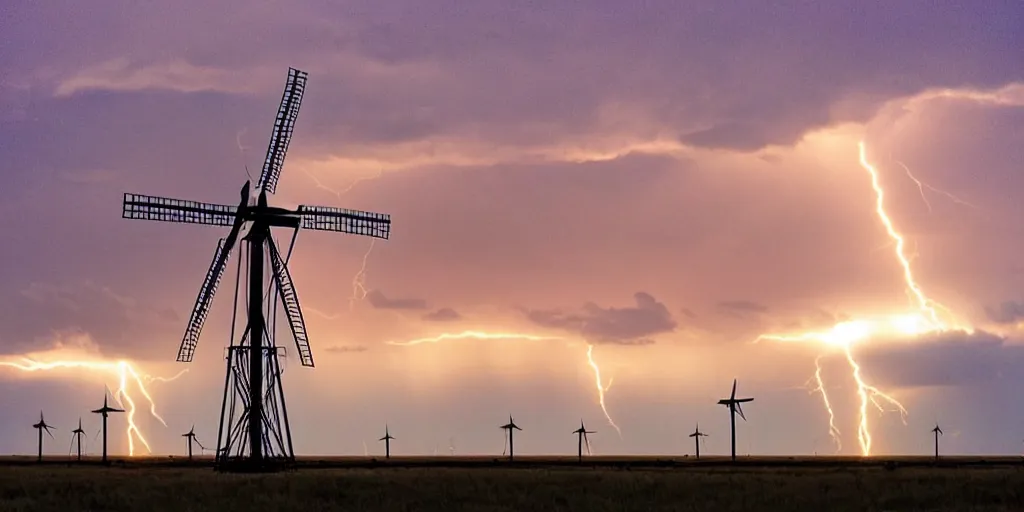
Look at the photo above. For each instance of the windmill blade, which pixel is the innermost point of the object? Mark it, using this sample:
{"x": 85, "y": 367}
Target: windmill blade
{"x": 739, "y": 409}
{"x": 47, "y": 429}
{"x": 342, "y": 220}
{"x": 586, "y": 441}
{"x": 205, "y": 298}
{"x": 505, "y": 448}
{"x": 166, "y": 209}
{"x": 286, "y": 289}
{"x": 284, "y": 126}
{"x": 733, "y": 396}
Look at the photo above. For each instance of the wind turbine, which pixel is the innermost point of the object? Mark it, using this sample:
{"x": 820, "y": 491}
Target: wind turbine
{"x": 510, "y": 427}
{"x": 191, "y": 435}
{"x": 581, "y": 435}
{"x": 105, "y": 411}
{"x": 41, "y": 426}
{"x": 78, "y": 433}
{"x": 938, "y": 432}
{"x": 697, "y": 435}
{"x": 387, "y": 442}
{"x": 733, "y": 404}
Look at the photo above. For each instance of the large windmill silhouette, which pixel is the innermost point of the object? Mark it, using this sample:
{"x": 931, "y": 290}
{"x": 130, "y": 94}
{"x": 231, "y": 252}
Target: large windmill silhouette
{"x": 254, "y": 431}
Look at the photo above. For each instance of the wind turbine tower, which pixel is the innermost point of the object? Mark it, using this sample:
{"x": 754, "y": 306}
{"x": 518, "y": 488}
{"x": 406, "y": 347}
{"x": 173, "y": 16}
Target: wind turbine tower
{"x": 697, "y": 435}
{"x": 41, "y": 426}
{"x": 254, "y": 433}
{"x": 78, "y": 433}
{"x": 105, "y": 411}
{"x": 511, "y": 427}
{"x": 581, "y": 438}
{"x": 733, "y": 404}
{"x": 387, "y": 442}
{"x": 938, "y": 432}
{"x": 191, "y": 438}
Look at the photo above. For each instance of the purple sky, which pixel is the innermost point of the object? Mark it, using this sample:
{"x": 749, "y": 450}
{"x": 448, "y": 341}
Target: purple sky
{"x": 663, "y": 181}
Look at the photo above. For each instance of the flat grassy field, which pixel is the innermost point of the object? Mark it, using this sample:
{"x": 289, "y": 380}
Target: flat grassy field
{"x": 533, "y": 484}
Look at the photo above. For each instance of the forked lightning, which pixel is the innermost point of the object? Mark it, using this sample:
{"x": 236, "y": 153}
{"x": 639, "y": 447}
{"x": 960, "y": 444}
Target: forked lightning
{"x": 930, "y": 316}
{"x": 125, "y": 373}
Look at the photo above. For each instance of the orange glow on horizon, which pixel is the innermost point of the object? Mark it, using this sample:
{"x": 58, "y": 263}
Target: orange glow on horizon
{"x": 123, "y": 370}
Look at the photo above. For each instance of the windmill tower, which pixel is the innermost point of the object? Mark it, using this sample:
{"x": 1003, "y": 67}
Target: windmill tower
{"x": 254, "y": 433}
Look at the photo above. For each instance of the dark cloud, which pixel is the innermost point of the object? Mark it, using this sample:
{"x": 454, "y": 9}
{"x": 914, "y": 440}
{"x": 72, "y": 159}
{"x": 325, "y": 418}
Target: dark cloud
{"x": 945, "y": 359}
{"x": 1008, "y": 312}
{"x": 741, "y": 307}
{"x": 345, "y": 349}
{"x": 622, "y": 326}
{"x": 443, "y": 315}
{"x": 379, "y": 301}
{"x": 118, "y": 324}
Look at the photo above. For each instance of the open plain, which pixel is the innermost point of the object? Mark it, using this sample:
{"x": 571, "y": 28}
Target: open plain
{"x": 530, "y": 483}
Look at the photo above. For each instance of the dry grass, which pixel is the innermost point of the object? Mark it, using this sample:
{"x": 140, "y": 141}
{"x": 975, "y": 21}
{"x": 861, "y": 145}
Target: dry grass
{"x": 153, "y": 487}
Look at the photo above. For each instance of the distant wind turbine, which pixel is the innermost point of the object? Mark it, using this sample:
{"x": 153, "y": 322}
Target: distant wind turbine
{"x": 697, "y": 435}
{"x": 105, "y": 411}
{"x": 510, "y": 427}
{"x": 733, "y": 404}
{"x": 77, "y": 436}
{"x": 41, "y": 426}
{"x": 190, "y": 438}
{"x": 387, "y": 442}
{"x": 938, "y": 432}
{"x": 581, "y": 434}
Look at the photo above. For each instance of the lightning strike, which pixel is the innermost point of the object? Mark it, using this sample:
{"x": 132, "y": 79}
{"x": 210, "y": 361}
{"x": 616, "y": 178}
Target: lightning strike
{"x": 833, "y": 431}
{"x": 601, "y": 389}
{"x": 481, "y": 335}
{"x": 928, "y": 318}
{"x": 921, "y": 186}
{"x": 359, "y": 290}
{"x": 125, "y": 373}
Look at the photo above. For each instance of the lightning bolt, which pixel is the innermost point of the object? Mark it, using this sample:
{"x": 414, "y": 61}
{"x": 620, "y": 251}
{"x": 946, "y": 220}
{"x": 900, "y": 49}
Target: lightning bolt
{"x": 833, "y": 431}
{"x": 125, "y": 373}
{"x": 479, "y": 335}
{"x": 928, "y": 318}
{"x": 601, "y": 389}
{"x": 921, "y": 186}
{"x": 482, "y": 335}
{"x": 359, "y": 289}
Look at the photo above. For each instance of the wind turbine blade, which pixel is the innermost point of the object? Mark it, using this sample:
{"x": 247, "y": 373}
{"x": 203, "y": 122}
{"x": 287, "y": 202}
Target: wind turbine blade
{"x": 733, "y": 396}
{"x": 739, "y": 409}
{"x": 505, "y": 448}
{"x": 586, "y": 441}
